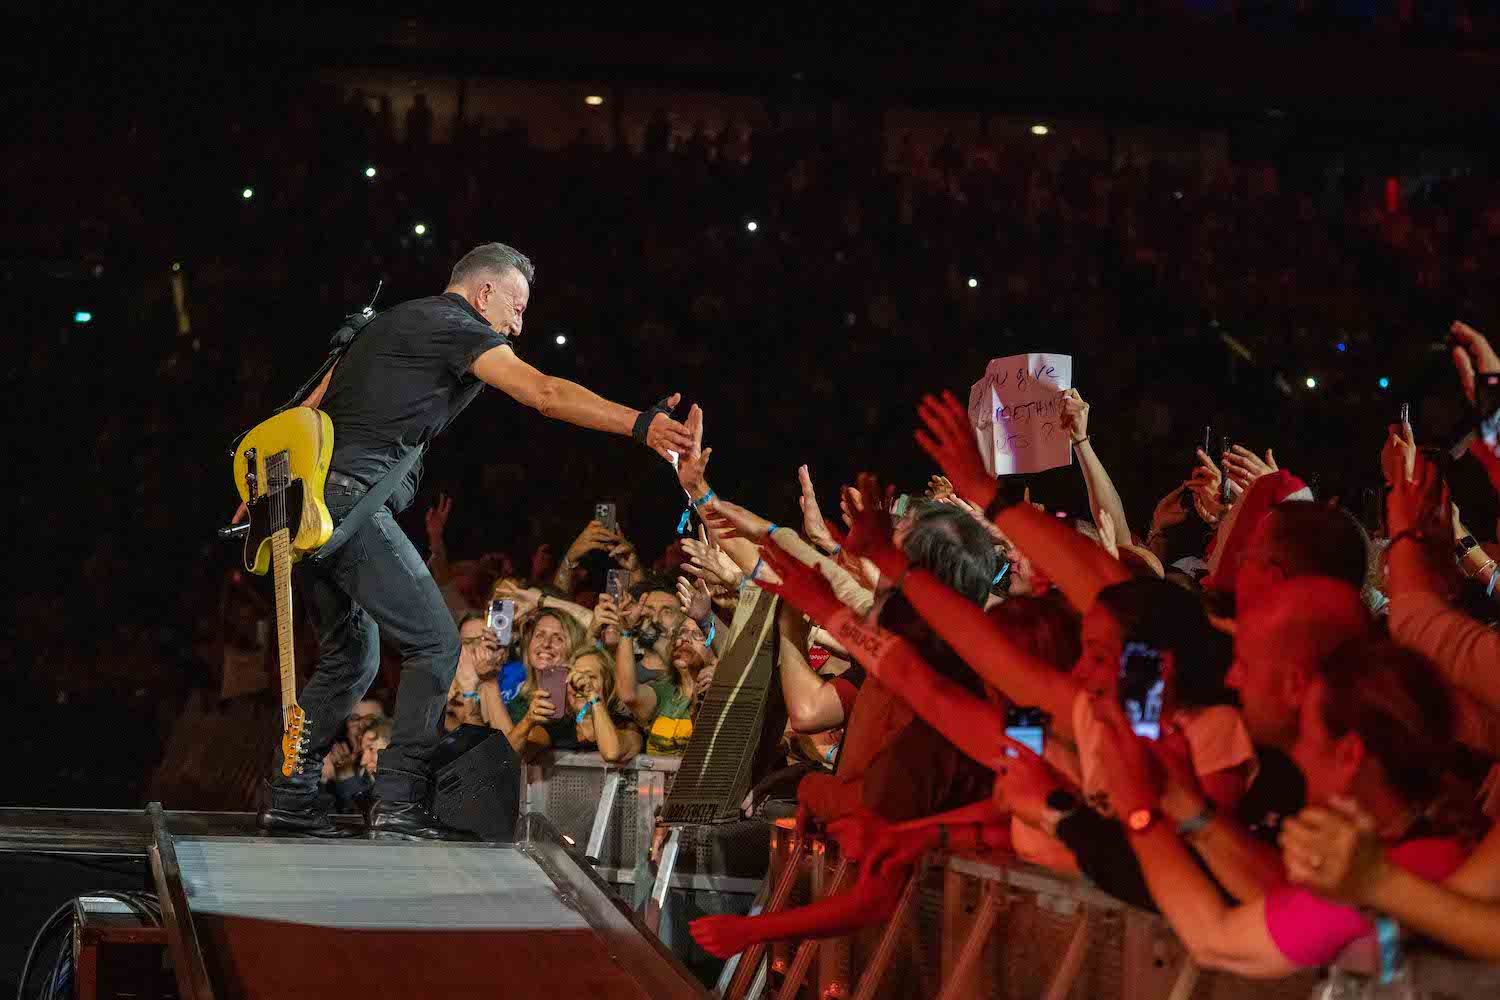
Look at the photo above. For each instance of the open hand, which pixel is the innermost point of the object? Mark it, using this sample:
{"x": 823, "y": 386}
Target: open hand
{"x": 813, "y": 524}
{"x": 709, "y": 563}
{"x": 692, "y": 461}
{"x": 1333, "y": 850}
{"x": 938, "y": 488}
{"x": 1472, "y": 354}
{"x": 800, "y": 585}
{"x": 951, "y": 442}
{"x": 666, "y": 435}
{"x": 870, "y": 528}
{"x": 694, "y": 598}
{"x": 724, "y": 936}
{"x": 730, "y": 520}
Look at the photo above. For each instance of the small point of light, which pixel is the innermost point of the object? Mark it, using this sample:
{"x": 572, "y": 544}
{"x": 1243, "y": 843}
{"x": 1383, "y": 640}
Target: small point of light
{"x": 1312, "y": 383}
{"x": 593, "y": 100}
{"x": 561, "y": 340}
{"x": 369, "y": 171}
{"x": 82, "y": 317}
{"x": 973, "y": 282}
{"x": 248, "y": 193}
{"x": 1062, "y": 515}
{"x": 419, "y": 229}
{"x": 1385, "y": 383}
{"x": 1342, "y": 347}
{"x": 1039, "y": 130}
{"x": 570, "y": 840}
{"x": 1177, "y": 195}
{"x": 752, "y": 225}
{"x": 177, "y": 265}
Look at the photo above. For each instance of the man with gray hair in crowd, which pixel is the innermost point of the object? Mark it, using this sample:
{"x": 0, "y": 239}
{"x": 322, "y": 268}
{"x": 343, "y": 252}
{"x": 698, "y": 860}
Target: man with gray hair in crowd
{"x": 410, "y": 372}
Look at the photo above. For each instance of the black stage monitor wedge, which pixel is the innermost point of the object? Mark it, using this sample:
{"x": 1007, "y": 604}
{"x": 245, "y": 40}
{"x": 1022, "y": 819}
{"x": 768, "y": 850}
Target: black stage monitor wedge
{"x": 477, "y": 783}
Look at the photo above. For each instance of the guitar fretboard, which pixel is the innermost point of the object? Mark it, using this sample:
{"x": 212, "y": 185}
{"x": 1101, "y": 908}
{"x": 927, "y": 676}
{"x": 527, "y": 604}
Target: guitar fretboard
{"x": 281, "y": 567}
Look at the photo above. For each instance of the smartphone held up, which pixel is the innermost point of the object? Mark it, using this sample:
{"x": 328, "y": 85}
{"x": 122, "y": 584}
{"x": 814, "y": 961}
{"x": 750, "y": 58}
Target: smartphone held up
{"x": 1141, "y": 688}
{"x": 501, "y": 619}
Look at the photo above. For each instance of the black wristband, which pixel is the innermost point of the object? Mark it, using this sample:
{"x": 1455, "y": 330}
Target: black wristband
{"x": 643, "y": 422}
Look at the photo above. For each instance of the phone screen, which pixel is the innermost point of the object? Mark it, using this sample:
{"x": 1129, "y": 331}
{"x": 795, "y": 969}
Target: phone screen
{"x": 554, "y": 681}
{"x": 502, "y": 619}
{"x": 1141, "y": 687}
{"x": 614, "y": 585}
{"x": 1027, "y": 726}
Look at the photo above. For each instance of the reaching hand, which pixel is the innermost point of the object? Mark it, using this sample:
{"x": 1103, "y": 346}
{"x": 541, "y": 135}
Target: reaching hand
{"x": 666, "y": 435}
{"x": 1243, "y": 466}
{"x": 724, "y": 936}
{"x": 1333, "y": 850}
{"x": 1075, "y": 415}
{"x": 938, "y": 488}
{"x": 870, "y": 527}
{"x": 343, "y": 760}
{"x": 802, "y": 586}
{"x": 1106, "y": 528}
{"x": 1398, "y": 458}
{"x": 893, "y": 851}
{"x": 730, "y": 520}
{"x": 813, "y": 524}
{"x": 692, "y": 461}
{"x": 1026, "y": 780}
{"x": 951, "y": 442}
{"x": 1420, "y": 503}
{"x": 708, "y": 562}
{"x": 1169, "y": 512}
{"x": 694, "y": 598}
{"x": 1472, "y": 354}
{"x": 624, "y": 554}
{"x": 605, "y": 626}
{"x": 1128, "y": 770}
{"x": 437, "y": 516}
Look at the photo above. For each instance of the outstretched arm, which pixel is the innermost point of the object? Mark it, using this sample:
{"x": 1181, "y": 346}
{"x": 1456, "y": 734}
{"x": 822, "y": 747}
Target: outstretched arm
{"x": 869, "y": 903}
{"x": 1079, "y": 567}
{"x": 570, "y": 402}
{"x": 1104, "y": 499}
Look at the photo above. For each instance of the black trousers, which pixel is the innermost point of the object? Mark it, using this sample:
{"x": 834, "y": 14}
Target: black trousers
{"x": 375, "y": 584}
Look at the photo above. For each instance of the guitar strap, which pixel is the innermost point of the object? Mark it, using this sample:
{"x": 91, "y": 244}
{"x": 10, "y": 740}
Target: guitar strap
{"x": 367, "y": 506}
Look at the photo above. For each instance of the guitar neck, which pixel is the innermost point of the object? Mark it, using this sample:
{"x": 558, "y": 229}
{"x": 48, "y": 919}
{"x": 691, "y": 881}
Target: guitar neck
{"x": 281, "y": 568}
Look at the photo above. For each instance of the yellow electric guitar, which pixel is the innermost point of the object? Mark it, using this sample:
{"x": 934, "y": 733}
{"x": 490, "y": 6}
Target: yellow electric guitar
{"x": 280, "y": 467}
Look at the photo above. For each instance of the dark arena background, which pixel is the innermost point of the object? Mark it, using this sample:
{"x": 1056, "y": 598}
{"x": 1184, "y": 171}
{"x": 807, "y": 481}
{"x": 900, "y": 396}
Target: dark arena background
{"x": 1256, "y": 218}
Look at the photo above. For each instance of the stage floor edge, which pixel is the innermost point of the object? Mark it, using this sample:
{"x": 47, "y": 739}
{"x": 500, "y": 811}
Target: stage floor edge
{"x": 245, "y": 917}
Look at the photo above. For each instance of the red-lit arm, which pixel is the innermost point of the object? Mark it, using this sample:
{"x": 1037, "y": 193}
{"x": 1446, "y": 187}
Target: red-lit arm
{"x": 870, "y": 903}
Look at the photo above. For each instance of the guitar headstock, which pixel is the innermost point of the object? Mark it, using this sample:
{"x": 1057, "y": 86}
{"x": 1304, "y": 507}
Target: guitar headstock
{"x": 295, "y": 740}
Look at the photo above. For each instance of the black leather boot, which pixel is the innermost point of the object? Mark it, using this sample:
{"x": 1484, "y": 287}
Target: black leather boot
{"x": 307, "y": 822}
{"x": 411, "y": 821}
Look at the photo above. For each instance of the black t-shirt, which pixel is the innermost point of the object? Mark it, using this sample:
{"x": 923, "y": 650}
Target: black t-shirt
{"x": 405, "y": 378}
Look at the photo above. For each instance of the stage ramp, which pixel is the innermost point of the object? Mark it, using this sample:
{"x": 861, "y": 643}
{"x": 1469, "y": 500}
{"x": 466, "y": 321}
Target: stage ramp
{"x": 252, "y": 916}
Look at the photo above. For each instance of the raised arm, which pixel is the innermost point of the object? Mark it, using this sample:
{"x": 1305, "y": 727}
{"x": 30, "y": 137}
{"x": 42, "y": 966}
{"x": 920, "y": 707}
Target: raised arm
{"x": 812, "y": 702}
{"x": 1104, "y": 499}
{"x": 1079, "y": 567}
{"x": 637, "y": 698}
{"x": 570, "y": 402}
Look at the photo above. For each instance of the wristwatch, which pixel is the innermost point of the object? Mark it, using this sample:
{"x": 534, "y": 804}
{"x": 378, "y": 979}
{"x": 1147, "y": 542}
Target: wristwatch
{"x": 1058, "y": 806}
{"x": 1141, "y": 820}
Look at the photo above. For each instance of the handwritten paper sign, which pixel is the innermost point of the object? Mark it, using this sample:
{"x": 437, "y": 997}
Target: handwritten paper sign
{"x": 1015, "y": 411}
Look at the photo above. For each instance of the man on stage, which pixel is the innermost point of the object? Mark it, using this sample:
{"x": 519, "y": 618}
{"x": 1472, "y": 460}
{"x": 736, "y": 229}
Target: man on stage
{"x": 408, "y": 374}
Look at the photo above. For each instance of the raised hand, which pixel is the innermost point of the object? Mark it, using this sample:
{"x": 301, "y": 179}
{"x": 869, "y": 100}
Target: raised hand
{"x": 605, "y": 626}
{"x": 1398, "y": 458}
{"x": 437, "y": 516}
{"x": 666, "y": 435}
{"x": 950, "y": 441}
{"x": 1244, "y": 467}
{"x": 1419, "y": 503}
{"x": 1106, "y": 528}
{"x": 1169, "y": 511}
{"x": 692, "y": 461}
{"x": 813, "y": 524}
{"x": 1075, "y": 415}
{"x": 939, "y": 488}
{"x": 1026, "y": 780}
{"x": 694, "y": 598}
{"x": 1333, "y": 850}
{"x": 709, "y": 563}
{"x": 594, "y": 537}
{"x": 870, "y": 527}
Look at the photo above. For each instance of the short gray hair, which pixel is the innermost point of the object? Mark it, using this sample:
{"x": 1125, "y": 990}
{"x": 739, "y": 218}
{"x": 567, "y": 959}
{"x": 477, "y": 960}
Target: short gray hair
{"x": 493, "y": 258}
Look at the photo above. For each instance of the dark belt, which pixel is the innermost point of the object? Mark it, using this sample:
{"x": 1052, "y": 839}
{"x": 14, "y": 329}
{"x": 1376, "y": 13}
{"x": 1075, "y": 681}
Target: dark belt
{"x": 339, "y": 483}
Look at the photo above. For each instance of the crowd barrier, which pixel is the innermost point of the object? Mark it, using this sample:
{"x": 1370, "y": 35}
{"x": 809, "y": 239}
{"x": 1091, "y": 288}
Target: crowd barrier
{"x": 966, "y": 927}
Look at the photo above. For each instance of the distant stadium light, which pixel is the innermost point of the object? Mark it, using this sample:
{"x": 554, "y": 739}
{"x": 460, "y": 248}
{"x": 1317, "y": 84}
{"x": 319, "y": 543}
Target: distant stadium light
{"x": 593, "y": 100}
{"x": 81, "y": 316}
{"x": 973, "y": 282}
{"x": 752, "y": 225}
{"x": 1385, "y": 383}
{"x": 1311, "y": 383}
{"x": 419, "y": 229}
{"x": 561, "y": 340}
{"x": 247, "y": 194}
{"x": 1039, "y": 130}
{"x": 369, "y": 171}
{"x": 1342, "y": 347}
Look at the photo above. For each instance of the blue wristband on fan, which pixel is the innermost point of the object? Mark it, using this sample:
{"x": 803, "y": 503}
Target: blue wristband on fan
{"x": 584, "y": 711}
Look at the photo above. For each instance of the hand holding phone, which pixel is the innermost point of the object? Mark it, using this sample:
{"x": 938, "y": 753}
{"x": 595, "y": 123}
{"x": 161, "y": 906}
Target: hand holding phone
{"x": 1141, "y": 688}
{"x": 1027, "y": 726}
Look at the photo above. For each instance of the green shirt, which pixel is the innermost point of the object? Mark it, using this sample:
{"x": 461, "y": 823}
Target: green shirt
{"x": 672, "y": 725}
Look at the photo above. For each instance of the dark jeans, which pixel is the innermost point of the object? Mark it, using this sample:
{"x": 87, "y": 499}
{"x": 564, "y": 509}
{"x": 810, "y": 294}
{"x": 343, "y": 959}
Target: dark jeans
{"x": 375, "y": 585}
